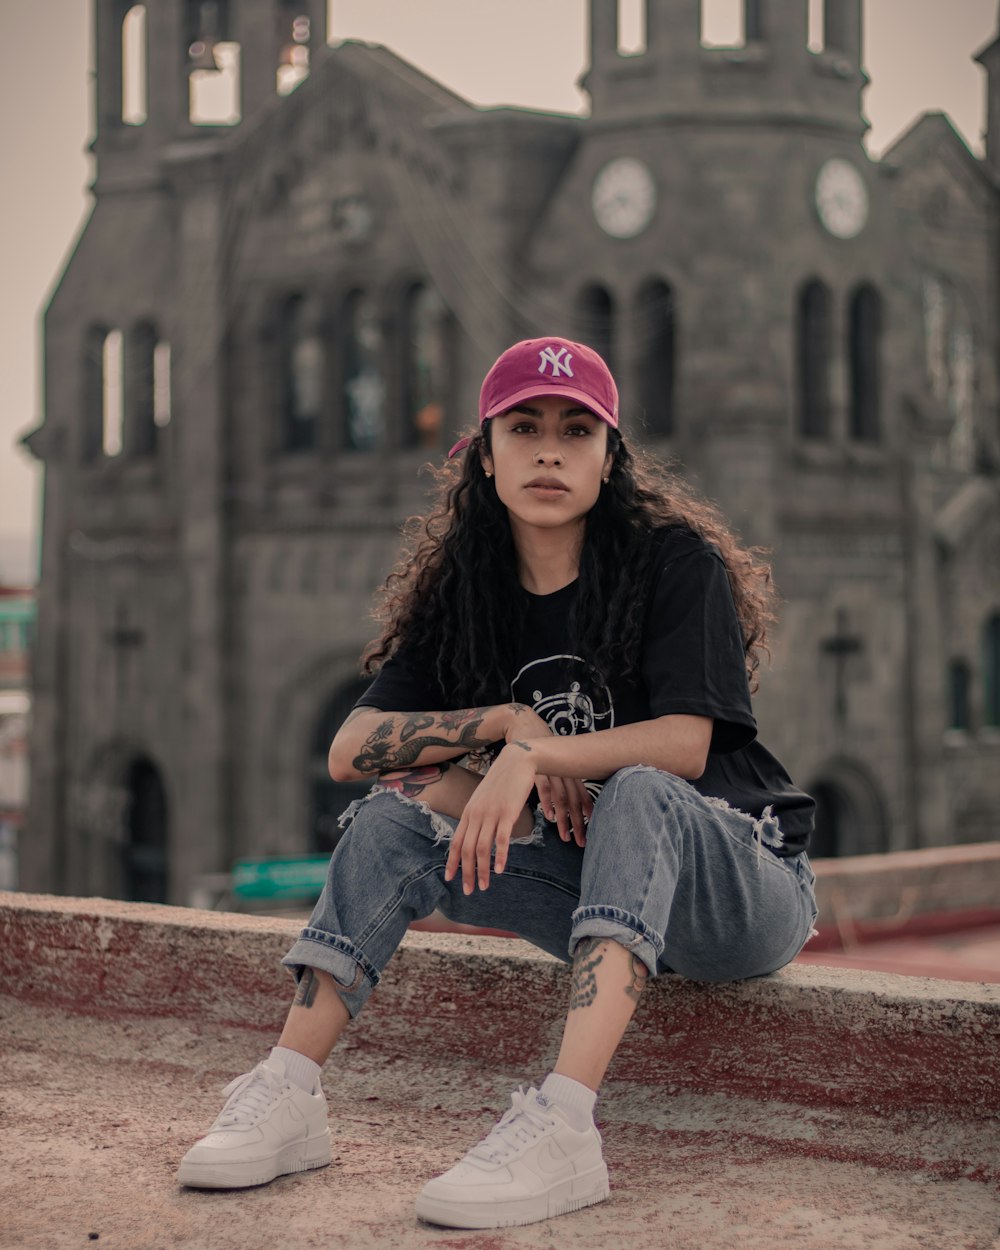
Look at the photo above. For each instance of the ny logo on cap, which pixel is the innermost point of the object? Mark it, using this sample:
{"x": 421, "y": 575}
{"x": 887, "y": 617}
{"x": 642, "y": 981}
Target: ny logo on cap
{"x": 550, "y": 356}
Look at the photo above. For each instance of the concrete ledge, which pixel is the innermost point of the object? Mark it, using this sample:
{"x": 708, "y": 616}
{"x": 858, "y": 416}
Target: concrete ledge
{"x": 872, "y": 895}
{"x": 812, "y": 1036}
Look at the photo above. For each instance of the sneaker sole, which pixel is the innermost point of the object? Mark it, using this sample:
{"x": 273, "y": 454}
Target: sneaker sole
{"x": 572, "y": 1195}
{"x": 299, "y": 1157}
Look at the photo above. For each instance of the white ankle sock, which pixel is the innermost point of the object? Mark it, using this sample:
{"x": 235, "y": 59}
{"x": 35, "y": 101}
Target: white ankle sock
{"x": 300, "y": 1069}
{"x": 575, "y": 1099}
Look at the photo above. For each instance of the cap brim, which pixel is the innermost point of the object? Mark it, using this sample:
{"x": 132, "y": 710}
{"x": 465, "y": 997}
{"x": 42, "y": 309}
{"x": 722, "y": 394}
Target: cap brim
{"x": 535, "y": 391}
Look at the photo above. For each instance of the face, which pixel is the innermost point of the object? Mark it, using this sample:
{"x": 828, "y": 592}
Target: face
{"x": 548, "y": 457}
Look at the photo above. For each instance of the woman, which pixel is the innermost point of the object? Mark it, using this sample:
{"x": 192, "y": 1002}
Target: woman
{"x": 590, "y": 628}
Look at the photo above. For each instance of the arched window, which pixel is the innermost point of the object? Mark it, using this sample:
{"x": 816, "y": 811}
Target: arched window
{"x": 595, "y": 317}
{"x": 991, "y": 671}
{"x": 951, "y": 362}
{"x": 726, "y": 23}
{"x": 816, "y": 36}
{"x": 141, "y": 425}
{"x": 329, "y": 798}
{"x": 631, "y": 27}
{"x": 364, "y": 381}
{"x": 959, "y": 685}
{"x": 427, "y": 350}
{"x": 296, "y": 35}
{"x": 813, "y": 323}
{"x": 213, "y": 64}
{"x": 134, "y": 66}
{"x": 864, "y": 338}
{"x": 162, "y": 395}
{"x": 113, "y": 393}
{"x": 303, "y": 365}
{"x": 654, "y": 336}
{"x": 92, "y": 432}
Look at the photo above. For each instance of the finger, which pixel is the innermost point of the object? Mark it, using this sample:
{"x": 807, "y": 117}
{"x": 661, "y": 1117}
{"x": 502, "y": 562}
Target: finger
{"x": 543, "y": 788}
{"x": 576, "y": 813}
{"x": 502, "y": 844}
{"x": 455, "y": 850}
{"x": 560, "y": 801}
{"x": 469, "y": 860}
{"x": 484, "y": 850}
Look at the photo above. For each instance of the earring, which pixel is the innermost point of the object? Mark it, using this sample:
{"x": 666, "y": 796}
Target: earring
{"x": 605, "y": 480}
{"x": 488, "y": 473}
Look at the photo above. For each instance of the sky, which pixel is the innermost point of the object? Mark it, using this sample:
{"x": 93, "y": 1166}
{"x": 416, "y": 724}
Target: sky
{"x": 917, "y": 53}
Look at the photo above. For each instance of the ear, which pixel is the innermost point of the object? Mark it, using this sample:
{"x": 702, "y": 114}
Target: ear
{"x": 486, "y": 460}
{"x": 609, "y": 460}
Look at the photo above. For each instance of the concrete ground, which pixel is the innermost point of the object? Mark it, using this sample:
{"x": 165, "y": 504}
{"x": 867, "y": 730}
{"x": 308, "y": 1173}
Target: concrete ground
{"x": 816, "y": 1109}
{"x": 96, "y": 1113}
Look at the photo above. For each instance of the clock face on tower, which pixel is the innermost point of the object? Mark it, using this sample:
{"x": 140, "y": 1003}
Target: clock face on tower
{"x": 841, "y": 199}
{"x": 624, "y": 197}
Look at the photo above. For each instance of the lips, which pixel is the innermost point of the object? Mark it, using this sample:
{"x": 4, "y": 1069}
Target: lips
{"x": 546, "y": 483}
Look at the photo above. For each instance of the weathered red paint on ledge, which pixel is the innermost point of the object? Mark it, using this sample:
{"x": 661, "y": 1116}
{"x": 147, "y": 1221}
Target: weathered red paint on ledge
{"x": 813, "y": 1036}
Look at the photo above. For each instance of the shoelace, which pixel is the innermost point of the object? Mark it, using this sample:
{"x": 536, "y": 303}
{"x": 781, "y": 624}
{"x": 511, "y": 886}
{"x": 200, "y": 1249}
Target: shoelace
{"x": 521, "y": 1125}
{"x": 248, "y": 1096}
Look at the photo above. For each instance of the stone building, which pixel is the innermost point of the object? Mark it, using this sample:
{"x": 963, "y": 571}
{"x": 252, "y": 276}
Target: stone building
{"x": 300, "y": 261}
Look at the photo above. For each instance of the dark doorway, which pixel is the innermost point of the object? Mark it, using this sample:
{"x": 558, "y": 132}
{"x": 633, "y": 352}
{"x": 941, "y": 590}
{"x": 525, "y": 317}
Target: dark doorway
{"x": 833, "y": 822}
{"x": 850, "y": 815}
{"x": 145, "y": 867}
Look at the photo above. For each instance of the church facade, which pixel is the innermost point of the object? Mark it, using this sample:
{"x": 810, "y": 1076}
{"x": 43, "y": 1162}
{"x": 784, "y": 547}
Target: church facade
{"x": 301, "y": 260}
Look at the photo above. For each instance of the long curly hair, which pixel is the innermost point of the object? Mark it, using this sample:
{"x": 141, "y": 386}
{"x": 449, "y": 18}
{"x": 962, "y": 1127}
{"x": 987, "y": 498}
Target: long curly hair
{"x": 455, "y": 602}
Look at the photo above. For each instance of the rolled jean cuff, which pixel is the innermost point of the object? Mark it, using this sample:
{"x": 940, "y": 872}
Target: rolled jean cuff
{"x": 622, "y": 927}
{"x": 354, "y": 975}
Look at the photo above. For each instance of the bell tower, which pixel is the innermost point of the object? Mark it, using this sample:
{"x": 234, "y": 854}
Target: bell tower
{"x": 772, "y": 67}
{"x": 185, "y": 69}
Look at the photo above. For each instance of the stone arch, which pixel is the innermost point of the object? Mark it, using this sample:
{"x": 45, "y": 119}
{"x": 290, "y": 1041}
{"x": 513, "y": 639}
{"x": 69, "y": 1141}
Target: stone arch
{"x": 328, "y": 798}
{"x": 125, "y": 817}
{"x": 851, "y": 816}
{"x": 301, "y": 713}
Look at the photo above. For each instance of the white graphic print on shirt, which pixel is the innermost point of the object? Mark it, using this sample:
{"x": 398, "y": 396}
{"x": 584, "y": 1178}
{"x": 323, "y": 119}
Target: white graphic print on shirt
{"x": 567, "y": 693}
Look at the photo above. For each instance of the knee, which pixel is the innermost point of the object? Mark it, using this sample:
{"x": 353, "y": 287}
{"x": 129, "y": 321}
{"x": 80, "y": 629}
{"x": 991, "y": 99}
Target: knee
{"x": 639, "y": 785}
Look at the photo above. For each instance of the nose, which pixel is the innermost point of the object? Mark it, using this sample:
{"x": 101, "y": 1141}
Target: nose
{"x": 548, "y": 451}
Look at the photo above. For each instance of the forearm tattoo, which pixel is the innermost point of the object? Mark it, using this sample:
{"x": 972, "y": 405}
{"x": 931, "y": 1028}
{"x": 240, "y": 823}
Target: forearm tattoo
{"x": 397, "y": 741}
{"x": 305, "y": 995}
{"x": 586, "y": 960}
{"x": 412, "y": 782}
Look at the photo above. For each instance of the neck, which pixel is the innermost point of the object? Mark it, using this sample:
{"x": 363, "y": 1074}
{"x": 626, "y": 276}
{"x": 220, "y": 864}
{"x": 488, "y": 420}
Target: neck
{"x": 548, "y": 560}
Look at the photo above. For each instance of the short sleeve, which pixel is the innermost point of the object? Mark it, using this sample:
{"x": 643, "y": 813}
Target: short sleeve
{"x": 693, "y": 659}
{"x": 399, "y": 687}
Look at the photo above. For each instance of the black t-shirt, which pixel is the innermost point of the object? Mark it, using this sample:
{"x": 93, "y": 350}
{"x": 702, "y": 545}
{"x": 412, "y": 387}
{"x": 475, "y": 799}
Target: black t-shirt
{"x": 692, "y": 663}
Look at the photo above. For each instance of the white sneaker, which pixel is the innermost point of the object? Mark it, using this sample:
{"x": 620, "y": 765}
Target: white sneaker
{"x": 533, "y": 1165}
{"x": 267, "y": 1128}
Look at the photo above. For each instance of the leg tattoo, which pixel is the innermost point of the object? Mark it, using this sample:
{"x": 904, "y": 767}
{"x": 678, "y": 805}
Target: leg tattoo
{"x": 638, "y": 974}
{"x": 305, "y": 995}
{"x": 583, "y": 989}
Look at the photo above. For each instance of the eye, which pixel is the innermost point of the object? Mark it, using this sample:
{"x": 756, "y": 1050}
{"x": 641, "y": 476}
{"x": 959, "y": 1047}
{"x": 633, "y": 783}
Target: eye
{"x": 522, "y": 427}
{"x": 578, "y": 430}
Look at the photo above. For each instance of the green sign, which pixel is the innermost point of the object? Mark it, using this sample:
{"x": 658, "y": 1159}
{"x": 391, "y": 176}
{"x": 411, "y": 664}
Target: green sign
{"x": 300, "y": 876}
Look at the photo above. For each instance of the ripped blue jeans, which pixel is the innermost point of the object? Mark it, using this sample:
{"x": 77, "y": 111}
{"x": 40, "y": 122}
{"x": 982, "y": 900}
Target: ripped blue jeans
{"x": 684, "y": 882}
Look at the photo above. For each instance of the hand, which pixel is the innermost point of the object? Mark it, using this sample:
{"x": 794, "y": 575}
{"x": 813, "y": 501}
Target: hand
{"x": 565, "y": 800}
{"x": 489, "y": 818}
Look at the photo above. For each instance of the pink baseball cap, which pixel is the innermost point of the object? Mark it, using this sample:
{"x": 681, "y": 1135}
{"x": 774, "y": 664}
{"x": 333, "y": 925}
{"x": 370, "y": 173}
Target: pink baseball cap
{"x": 550, "y": 366}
